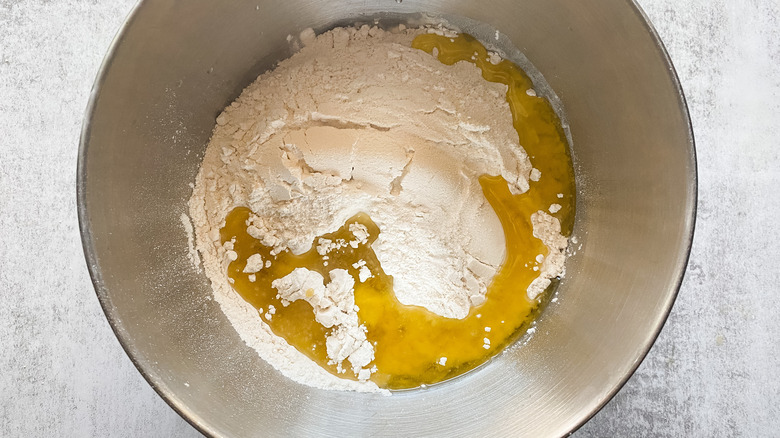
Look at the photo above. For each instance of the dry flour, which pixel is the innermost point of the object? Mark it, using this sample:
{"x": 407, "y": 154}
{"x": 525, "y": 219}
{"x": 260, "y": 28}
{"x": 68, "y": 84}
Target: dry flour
{"x": 358, "y": 121}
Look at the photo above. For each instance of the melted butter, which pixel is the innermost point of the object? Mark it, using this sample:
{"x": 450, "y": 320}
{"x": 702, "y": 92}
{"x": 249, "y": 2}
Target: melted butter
{"x": 409, "y": 341}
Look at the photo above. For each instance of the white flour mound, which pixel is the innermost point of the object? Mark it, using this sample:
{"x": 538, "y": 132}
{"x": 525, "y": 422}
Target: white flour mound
{"x": 358, "y": 121}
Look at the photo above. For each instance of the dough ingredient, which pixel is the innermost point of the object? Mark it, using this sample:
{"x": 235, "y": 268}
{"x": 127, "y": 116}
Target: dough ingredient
{"x": 358, "y": 121}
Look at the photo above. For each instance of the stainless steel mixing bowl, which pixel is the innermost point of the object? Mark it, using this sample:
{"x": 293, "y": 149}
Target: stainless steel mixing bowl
{"x": 176, "y": 64}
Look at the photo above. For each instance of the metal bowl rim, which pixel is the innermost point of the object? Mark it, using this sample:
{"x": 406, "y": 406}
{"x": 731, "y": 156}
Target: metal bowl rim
{"x": 169, "y": 397}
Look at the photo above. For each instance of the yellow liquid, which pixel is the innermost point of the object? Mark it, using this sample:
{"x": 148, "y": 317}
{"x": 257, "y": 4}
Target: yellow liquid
{"x": 410, "y": 341}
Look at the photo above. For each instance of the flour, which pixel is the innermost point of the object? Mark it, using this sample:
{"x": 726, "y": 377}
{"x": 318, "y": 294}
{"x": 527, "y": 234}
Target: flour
{"x": 364, "y": 273}
{"x": 548, "y": 230}
{"x": 358, "y": 121}
{"x": 192, "y": 253}
{"x": 254, "y": 263}
{"x": 334, "y": 306}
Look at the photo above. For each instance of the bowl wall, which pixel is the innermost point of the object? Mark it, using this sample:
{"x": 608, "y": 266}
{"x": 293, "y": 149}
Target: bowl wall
{"x": 173, "y": 68}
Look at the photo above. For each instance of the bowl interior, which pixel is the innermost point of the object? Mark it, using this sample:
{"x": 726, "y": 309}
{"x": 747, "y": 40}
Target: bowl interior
{"x": 175, "y": 66}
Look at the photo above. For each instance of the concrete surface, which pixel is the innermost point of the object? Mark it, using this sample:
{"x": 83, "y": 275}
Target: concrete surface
{"x": 712, "y": 373}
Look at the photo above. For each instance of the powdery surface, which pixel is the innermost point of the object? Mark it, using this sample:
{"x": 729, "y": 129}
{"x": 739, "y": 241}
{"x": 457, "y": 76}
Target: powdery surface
{"x": 358, "y": 121}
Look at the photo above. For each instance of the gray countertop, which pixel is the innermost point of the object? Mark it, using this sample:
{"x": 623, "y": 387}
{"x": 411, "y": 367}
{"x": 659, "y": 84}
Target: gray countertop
{"x": 713, "y": 371}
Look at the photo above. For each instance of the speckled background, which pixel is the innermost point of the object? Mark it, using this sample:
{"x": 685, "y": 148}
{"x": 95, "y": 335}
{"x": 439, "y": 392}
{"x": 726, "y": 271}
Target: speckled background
{"x": 712, "y": 373}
